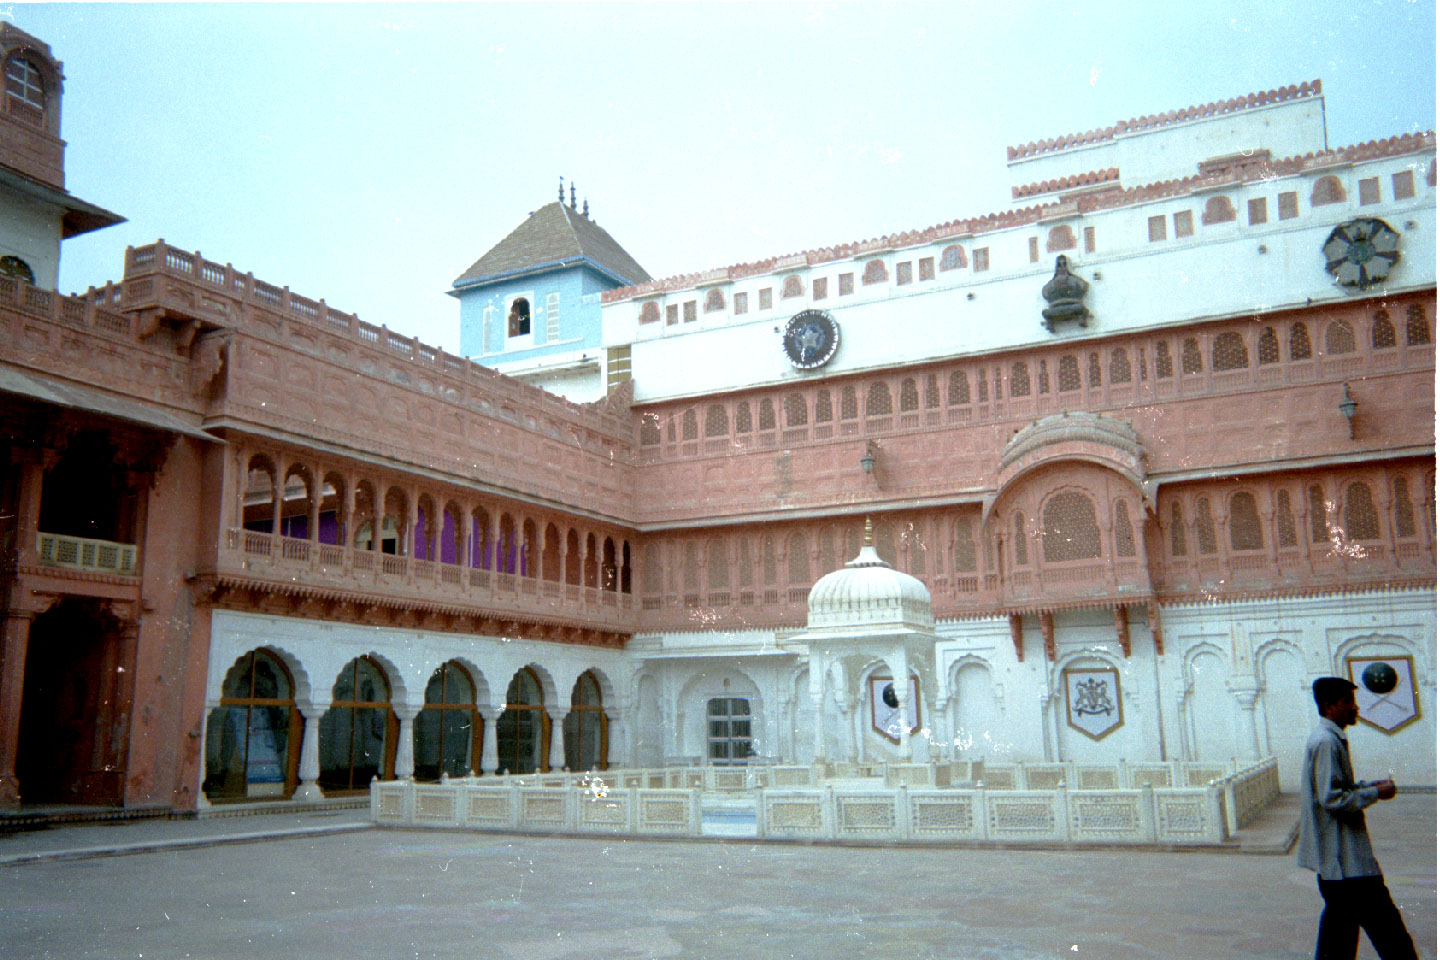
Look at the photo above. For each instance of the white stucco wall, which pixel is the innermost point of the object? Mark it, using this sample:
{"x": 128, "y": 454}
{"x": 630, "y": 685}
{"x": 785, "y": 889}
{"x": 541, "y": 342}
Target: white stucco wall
{"x": 30, "y": 230}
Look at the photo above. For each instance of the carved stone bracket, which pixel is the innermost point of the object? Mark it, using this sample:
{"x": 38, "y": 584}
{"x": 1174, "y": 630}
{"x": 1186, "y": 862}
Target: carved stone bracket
{"x": 1122, "y": 629}
{"x": 1017, "y": 635}
{"x": 1047, "y": 632}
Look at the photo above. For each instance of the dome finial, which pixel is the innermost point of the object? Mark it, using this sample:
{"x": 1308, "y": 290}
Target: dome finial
{"x": 869, "y": 534}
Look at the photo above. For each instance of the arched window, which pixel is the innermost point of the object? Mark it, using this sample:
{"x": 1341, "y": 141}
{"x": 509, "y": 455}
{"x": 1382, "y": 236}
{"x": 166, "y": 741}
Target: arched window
{"x": 1094, "y": 371}
{"x": 1204, "y": 527}
{"x": 1060, "y": 238}
{"x": 1069, "y": 530}
{"x": 1124, "y": 532}
{"x": 12, "y": 266}
{"x": 792, "y": 287}
{"x": 689, "y": 426}
{"x": 1022, "y": 541}
{"x": 742, "y": 417}
{"x": 875, "y": 272}
{"x": 959, "y": 388}
{"x": 650, "y": 312}
{"x": 849, "y": 407}
{"x": 1284, "y": 520}
{"x": 1404, "y": 509}
{"x": 1319, "y": 518}
{"x": 1164, "y": 366}
{"x": 823, "y": 413}
{"x": 1067, "y": 377}
{"x": 795, "y": 412}
{"x": 1382, "y": 331}
{"x": 1019, "y": 379}
{"x": 649, "y": 430}
{"x": 1268, "y": 349}
{"x": 587, "y": 729}
{"x": 952, "y": 258}
{"x": 1228, "y": 352}
{"x": 1190, "y": 361}
{"x": 714, "y": 300}
{"x": 797, "y": 559}
{"x": 717, "y": 423}
{"x": 766, "y": 417}
{"x": 932, "y": 392}
{"x": 717, "y": 564}
{"x": 963, "y": 546}
{"x": 357, "y": 733}
{"x": 909, "y": 396}
{"x": 1245, "y": 523}
{"x": 1042, "y": 379}
{"x": 1218, "y": 209}
{"x": 1177, "y": 531}
{"x": 522, "y": 732}
{"x": 1327, "y": 190}
{"x": 1339, "y": 338}
{"x": 652, "y": 575}
{"x": 690, "y": 568}
{"x": 1119, "y": 365}
{"x": 519, "y": 321}
{"x": 1299, "y": 341}
{"x": 550, "y": 554}
{"x": 252, "y": 737}
{"x": 1361, "y": 520}
{"x": 448, "y": 731}
{"x": 877, "y": 399}
{"x": 574, "y": 558}
{"x": 1417, "y": 328}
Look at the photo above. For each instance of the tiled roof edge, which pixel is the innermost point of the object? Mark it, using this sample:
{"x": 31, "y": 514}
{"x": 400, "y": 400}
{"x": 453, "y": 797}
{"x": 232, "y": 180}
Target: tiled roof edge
{"x": 1370, "y": 150}
{"x": 1093, "y": 178}
{"x": 1154, "y": 120}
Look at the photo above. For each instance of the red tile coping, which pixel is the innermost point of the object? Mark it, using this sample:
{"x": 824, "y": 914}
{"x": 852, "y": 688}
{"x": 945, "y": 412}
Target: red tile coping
{"x": 1153, "y": 120}
{"x": 1239, "y": 172}
{"x": 1091, "y": 179}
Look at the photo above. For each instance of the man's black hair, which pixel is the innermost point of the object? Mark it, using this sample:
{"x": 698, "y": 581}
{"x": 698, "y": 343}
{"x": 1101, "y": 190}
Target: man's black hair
{"x": 1328, "y": 690}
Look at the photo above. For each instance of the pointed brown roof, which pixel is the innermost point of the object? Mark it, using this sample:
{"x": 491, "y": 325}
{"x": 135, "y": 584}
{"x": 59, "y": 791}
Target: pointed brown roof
{"x": 554, "y": 236}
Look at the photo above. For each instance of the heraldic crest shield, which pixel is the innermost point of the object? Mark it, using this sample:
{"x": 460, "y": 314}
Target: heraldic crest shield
{"x": 1092, "y": 701}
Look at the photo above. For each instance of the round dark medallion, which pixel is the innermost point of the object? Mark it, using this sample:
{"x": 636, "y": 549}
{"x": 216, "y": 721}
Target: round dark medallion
{"x": 1380, "y": 678}
{"x": 1361, "y": 252}
{"x": 811, "y": 339}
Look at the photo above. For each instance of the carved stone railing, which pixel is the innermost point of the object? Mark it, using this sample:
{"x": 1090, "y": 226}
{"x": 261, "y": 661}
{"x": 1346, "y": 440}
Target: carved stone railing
{"x": 79, "y": 553}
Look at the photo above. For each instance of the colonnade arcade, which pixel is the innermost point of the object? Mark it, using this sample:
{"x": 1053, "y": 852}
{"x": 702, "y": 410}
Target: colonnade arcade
{"x": 270, "y": 734}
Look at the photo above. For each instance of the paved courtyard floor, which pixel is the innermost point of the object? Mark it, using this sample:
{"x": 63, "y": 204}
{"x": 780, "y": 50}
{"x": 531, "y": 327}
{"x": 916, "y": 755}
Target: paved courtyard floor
{"x": 383, "y": 893}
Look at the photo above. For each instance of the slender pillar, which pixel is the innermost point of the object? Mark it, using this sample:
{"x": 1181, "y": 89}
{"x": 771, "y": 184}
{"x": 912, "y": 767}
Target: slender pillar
{"x": 1246, "y": 691}
{"x": 14, "y": 644}
{"x": 489, "y": 748}
{"x": 557, "y": 740}
{"x": 405, "y": 747}
{"x": 901, "y": 668}
{"x": 308, "y": 789}
{"x": 847, "y": 726}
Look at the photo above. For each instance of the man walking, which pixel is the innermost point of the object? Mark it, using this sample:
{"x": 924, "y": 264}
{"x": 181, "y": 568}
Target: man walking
{"x": 1333, "y": 839}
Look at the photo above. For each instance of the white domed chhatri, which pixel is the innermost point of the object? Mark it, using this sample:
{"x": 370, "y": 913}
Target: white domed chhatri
{"x": 869, "y": 593}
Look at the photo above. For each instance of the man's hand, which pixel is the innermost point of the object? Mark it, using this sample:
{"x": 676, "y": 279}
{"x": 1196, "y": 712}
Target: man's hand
{"x": 1387, "y": 789}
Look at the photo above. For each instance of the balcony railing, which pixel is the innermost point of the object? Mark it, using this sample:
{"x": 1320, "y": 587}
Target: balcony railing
{"x": 331, "y": 567}
{"x": 79, "y": 553}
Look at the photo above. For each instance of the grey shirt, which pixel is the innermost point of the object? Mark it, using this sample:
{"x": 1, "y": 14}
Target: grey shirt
{"x": 1333, "y": 840}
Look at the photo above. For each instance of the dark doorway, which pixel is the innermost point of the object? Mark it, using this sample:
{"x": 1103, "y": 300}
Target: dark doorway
{"x": 74, "y": 715}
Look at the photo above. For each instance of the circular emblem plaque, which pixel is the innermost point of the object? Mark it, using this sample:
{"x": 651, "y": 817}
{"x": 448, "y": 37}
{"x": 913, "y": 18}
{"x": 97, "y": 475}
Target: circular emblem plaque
{"x": 811, "y": 339}
{"x": 1361, "y": 252}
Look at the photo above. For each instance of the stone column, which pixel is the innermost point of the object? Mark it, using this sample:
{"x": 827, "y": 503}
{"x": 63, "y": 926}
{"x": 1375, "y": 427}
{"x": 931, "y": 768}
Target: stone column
{"x": 900, "y": 669}
{"x": 1246, "y": 691}
{"x": 557, "y": 740}
{"x": 308, "y": 789}
{"x": 317, "y": 495}
{"x": 616, "y": 738}
{"x": 943, "y": 726}
{"x": 277, "y": 491}
{"x": 14, "y": 644}
{"x": 405, "y": 747}
{"x": 489, "y": 749}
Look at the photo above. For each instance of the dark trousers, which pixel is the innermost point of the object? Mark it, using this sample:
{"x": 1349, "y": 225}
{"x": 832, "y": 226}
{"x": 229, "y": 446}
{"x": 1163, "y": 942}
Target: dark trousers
{"x": 1360, "y": 902}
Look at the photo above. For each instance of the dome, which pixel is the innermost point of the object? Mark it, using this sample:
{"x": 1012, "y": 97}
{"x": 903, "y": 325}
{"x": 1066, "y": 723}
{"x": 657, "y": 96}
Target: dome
{"x": 868, "y": 592}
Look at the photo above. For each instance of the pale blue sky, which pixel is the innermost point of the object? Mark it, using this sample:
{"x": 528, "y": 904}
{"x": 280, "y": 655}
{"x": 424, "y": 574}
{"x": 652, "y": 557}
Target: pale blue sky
{"x": 368, "y": 154}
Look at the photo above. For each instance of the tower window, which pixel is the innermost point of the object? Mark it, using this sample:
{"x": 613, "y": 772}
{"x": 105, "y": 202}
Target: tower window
{"x": 23, "y": 83}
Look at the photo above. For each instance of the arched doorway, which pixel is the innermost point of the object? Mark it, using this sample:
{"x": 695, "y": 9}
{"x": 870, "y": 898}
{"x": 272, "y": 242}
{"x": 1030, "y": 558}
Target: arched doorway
{"x": 252, "y": 738}
{"x": 587, "y": 729}
{"x": 358, "y": 732}
{"x": 522, "y": 733}
{"x": 447, "y": 731}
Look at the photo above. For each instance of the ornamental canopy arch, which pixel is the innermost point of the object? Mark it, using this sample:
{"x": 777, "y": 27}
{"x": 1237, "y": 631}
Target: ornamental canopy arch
{"x": 1069, "y": 438}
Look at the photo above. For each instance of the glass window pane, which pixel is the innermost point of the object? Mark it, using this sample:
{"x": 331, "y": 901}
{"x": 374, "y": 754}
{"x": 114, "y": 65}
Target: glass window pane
{"x": 456, "y": 727}
{"x": 266, "y": 757}
{"x": 434, "y": 689}
{"x": 270, "y": 683}
{"x": 718, "y": 708}
{"x": 344, "y": 689}
{"x": 720, "y": 750}
{"x": 458, "y": 688}
{"x": 427, "y": 745}
{"x": 370, "y": 685}
{"x": 335, "y": 748}
{"x": 225, "y": 753}
{"x": 368, "y": 758}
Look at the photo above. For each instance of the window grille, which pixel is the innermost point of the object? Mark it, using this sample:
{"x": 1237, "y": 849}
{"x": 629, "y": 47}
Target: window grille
{"x": 1244, "y": 523}
{"x": 849, "y": 408}
{"x": 792, "y": 287}
{"x": 819, "y": 288}
{"x": 877, "y": 400}
{"x": 1119, "y": 366}
{"x": 552, "y": 317}
{"x": 847, "y": 284}
{"x": 998, "y": 392}
{"x": 767, "y": 415}
{"x": 927, "y": 268}
{"x": 932, "y": 392}
{"x": 1190, "y": 361}
{"x": 652, "y": 578}
{"x": 1404, "y": 509}
{"x": 672, "y": 314}
{"x": 875, "y": 272}
{"x": 689, "y": 311}
{"x": 744, "y": 569}
{"x": 795, "y": 411}
{"x": 1043, "y": 378}
{"x": 690, "y": 568}
{"x": 822, "y": 407}
{"x": 1403, "y": 184}
{"x": 717, "y": 422}
{"x": 1164, "y": 366}
{"x": 1289, "y": 205}
{"x": 1417, "y": 328}
{"x": 963, "y": 548}
{"x": 982, "y": 388}
{"x": 1177, "y": 531}
{"x": 1019, "y": 379}
{"x": 903, "y": 273}
{"x": 649, "y": 430}
{"x": 1070, "y": 529}
{"x": 1184, "y": 224}
{"x": 915, "y": 541}
{"x": 1268, "y": 349}
{"x": 1382, "y": 331}
{"x": 952, "y": 258}
{"x": 1204, "y": 527}
{"x": 1299, "y": 341}
{"x": 909, "y": 396}
{"x": 1218, "y": 209}
{"x": 1369, "y": 190}
{"x": 767, "y": 561}
{"x": 1140, "y": 361}
{"x": 1022, "y": 548}
{"x": 958, "y": 388}
{"x": 827, "y": 550}
{"x": 742, "y": 417}
{"x": 742, "y": 303}
{"x": 1228, "y": 352}
{"x": 1124, "y": 533}
{"x": 717, "y": 566}
{"x": 689, "y": 426}
{"x": 798, "y": 559}
{"x": 650, "y": 312}
{"x": 1319, "y": 525}
{"x": 1258, "y": 213}
{"x": 1284, "y": 520}
{"x": 1157, "y": 228}
{"x": 1327, "y": 190}
{"x": 1339, "y": 338}
{"x": 714, "y": 301}
{"x": 1067, "y": 377}
{"x": 982, "y": 259}
{"x": 1060, "y": 238}
{"x": 1093, "y": 371}
{"x": 765, "y": 299}
{"x": 1361, "y": 520}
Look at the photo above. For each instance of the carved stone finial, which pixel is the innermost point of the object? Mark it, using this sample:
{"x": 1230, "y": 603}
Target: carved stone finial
{"x": 562, "y": 189}
{"x": 869, "y": 533}
{"x": 572, "y": 194}
{"x": 1064, "y": 296}
{"x": 586, "y": 211}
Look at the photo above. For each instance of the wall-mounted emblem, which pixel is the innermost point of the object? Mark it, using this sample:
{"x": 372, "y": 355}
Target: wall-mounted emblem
{"x": 885, "y": 707}
{"x": 1361, "y": 252}
{"x": 1386, "y": 691}
{"x": 1092, "y": 701}
{"x": 811, "y": 339}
